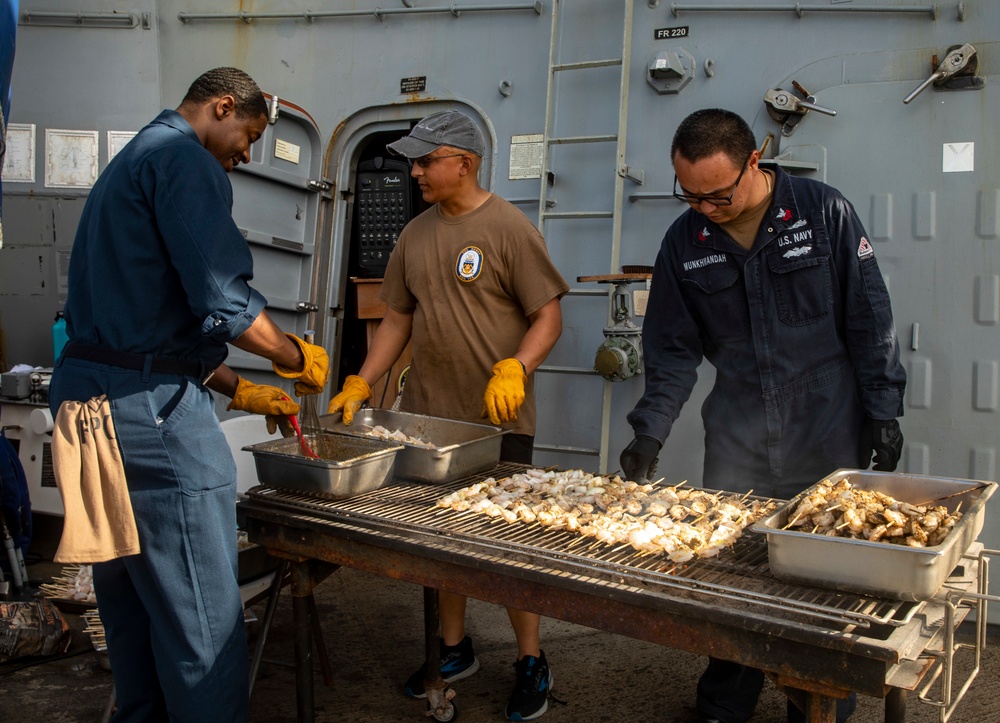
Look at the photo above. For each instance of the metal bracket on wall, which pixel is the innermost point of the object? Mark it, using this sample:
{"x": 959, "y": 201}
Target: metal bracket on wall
{"x": 956, "y": 72}
{"x": 788, "y": 164}
{"x": 787, "y": 109}
{"x": 121, "y": 21}
{"x": 670, "y": 71}
{"x": 379, "y": 14}
{"x": 802, "y": 9}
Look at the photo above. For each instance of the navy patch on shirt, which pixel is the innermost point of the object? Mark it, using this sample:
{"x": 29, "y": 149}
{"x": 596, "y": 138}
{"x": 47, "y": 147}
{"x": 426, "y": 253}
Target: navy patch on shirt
{"x": 799, "y": 242}
{"x": 470, "y": 263}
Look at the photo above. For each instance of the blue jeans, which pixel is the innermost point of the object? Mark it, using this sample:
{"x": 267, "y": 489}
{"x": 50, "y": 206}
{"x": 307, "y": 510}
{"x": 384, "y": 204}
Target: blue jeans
{"x": 172, "y": 613}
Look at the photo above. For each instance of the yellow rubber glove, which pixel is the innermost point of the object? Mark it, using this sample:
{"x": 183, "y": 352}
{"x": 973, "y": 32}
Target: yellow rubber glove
{"x": 505, "y": 391}
{"x": 355, "y": 393}
{"x": 315, "y": 371}
{"x": 264, "y": 399}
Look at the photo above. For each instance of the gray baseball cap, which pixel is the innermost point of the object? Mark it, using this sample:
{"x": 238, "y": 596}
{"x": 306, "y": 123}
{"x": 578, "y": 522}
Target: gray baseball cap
{"x": 447, "y": 128}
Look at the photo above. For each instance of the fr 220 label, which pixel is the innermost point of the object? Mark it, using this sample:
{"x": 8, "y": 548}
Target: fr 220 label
{"x": 665, "y": 33}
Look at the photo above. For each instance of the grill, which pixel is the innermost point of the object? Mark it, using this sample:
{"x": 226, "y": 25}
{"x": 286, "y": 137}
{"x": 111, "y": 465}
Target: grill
{"x": 729, "y": 606}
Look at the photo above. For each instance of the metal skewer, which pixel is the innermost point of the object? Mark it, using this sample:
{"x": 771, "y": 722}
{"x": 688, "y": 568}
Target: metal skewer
{"x": 794, "y": 520}
{"x": 947, "y": 497}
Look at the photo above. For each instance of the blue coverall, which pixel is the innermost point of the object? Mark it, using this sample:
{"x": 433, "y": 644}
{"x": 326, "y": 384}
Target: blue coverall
{"x": 159, "y": 268}
{"x": 800, "y": 332}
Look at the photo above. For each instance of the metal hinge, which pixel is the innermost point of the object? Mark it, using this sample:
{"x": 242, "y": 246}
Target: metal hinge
{"x": 320, "y": 186}
{"x": 636, "y": 175}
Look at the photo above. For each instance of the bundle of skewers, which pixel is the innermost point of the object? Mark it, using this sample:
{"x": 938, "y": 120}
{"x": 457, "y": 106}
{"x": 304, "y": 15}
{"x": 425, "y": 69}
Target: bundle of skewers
{"x": 843, "y": 510}
{"x": 94, "y": 628}
{"x": 675, "y": 521}
{"x": 76, "y": 583}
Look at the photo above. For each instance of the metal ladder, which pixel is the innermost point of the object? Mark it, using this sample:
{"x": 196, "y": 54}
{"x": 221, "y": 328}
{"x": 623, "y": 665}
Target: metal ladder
{"x": 622, "y": 172}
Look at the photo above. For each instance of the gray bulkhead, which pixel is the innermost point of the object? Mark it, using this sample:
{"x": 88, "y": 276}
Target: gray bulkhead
{"x": 924, "y": 175}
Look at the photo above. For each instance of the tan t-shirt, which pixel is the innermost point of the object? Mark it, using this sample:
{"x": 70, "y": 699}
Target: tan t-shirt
{"x": 743, "y": 229}
{"x": 470, "y": 282}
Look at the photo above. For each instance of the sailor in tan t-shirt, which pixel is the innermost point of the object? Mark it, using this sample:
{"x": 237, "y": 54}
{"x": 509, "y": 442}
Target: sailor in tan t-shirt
{"x": 471, "y": 286}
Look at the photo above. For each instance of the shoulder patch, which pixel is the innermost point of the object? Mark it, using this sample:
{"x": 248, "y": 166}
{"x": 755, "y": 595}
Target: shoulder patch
{"x": 865, "y": 249}
{"x": 470, "y": 263}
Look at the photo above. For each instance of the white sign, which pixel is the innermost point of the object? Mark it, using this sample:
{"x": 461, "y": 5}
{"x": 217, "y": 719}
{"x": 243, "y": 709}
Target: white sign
{"x": 19, "y": 161}
{"x": 640, "y": 299}
{"x": 70, "y": 158}
{"x": 286, "y": 151}
{"x": 526, "y": 156}
{"x": 958, "y": 158}
{"x": 118, "y": 140}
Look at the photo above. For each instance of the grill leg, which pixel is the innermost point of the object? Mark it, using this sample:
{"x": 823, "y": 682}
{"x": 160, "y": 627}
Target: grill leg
{"x": 816, "y": 707}
{"x": 272, "y": 605}
{"x": 305, "y": 576}
{"x": 432, "y": 641}
{"x": 895, "y": 706}
{"x": 820, "y": 708}
{"x": 321, "y": 651}
{"x": 302, "y": 614}
{"x": 439, "y": 695}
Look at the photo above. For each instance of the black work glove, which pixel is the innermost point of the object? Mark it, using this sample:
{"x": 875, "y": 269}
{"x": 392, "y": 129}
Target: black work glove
{"x": 638, "y": 459}
{"x": 884, "y": 438}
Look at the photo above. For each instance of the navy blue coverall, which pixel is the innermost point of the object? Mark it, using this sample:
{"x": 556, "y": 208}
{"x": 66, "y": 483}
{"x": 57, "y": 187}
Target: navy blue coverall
{"x": 159, "y": 269}
{"x": 800, "y": 331}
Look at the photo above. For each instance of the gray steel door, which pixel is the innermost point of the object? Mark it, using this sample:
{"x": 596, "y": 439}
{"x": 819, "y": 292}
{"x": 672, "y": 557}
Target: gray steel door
{"x": 276, "y": 202}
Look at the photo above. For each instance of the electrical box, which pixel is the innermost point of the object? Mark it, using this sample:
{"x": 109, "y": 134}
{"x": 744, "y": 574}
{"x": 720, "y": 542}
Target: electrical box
{"x": 382, "y": 208}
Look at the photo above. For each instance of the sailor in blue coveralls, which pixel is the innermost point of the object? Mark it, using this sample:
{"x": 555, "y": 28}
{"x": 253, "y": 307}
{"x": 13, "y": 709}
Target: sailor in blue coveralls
{"x": 774, "y": 281}
{"x": 158, "y": 285}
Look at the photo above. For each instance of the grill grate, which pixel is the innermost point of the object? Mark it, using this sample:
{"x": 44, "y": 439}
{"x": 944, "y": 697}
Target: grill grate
{"x": 739, "y": 575}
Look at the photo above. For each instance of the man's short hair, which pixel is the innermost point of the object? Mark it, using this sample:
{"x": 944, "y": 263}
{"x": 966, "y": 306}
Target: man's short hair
{"x": 711, "y": 130}
{"x": 216, "y": 83}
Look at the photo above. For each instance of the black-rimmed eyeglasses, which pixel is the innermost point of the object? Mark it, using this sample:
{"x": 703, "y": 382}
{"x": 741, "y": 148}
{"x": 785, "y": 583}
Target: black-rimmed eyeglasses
{"x": 714, "y": 200}
{"x": 426, "y": 161}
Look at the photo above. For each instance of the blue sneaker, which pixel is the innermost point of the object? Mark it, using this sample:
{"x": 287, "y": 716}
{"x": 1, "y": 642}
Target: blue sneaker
{"x": 457, "y": 662}
{"x": 532, "y": 683}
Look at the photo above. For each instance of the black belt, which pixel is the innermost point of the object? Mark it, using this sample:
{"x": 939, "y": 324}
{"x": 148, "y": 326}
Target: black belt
{"x": 138, "y": 362}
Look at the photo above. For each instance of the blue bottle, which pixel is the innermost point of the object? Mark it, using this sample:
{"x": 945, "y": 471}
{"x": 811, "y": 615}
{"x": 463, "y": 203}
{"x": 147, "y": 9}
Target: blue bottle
{"x": 59, "y": 337}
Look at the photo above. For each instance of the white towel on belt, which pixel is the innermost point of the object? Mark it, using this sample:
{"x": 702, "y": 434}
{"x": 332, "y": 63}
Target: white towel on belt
{"x": 99, "y": 524}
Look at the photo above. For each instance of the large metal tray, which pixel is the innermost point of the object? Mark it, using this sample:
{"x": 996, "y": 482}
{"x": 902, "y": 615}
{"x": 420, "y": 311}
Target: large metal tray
{"x": 348, "y": 465}
{"x": 460, "y": 448}
{"x": 879, "y": 568}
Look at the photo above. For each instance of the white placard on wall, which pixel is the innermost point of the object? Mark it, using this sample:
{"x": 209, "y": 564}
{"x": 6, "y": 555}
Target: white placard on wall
{"x": 958, "y": 158}
{"x": 19, "y": 159}
{"x": 118, "y": 140}
{"x": 70, "y": 158}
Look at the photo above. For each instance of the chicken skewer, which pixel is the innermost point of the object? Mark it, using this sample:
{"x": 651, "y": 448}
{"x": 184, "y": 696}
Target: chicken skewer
{"x": 680, "y": 523}
{"x": 872, "y": 515}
